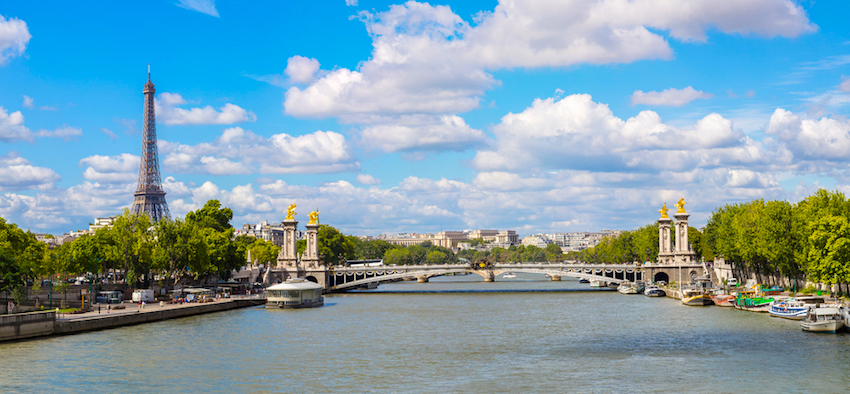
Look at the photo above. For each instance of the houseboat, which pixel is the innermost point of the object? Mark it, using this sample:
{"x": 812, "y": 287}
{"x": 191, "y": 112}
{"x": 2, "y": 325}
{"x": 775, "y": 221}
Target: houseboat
{"x": 294, "y": 293}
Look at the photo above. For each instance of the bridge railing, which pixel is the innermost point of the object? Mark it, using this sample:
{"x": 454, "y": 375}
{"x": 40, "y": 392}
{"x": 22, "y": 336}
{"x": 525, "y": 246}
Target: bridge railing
{"x": 530, "y": 264}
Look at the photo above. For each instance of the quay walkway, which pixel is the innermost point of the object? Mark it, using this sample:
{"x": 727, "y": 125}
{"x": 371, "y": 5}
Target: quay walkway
{"x": 63, "y": 324}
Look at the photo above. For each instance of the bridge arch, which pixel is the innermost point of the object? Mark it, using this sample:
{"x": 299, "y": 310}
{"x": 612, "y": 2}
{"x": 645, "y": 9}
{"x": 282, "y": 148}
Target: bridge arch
{"x": 312, "y": 278}
{"x": 661, "y": 276}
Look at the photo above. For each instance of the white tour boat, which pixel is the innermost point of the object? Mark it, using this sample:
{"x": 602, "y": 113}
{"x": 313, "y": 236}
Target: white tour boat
{"x": 793, "y": 308}
{"x": 294, "y": 293}
{"x": 627, "y": 288}
{"x": 823, "y": 319}
{"x": 509, "y": 275}
{"x": 654, "y": 291}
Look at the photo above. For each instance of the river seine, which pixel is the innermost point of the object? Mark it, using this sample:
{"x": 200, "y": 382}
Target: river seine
{"x": 469, "y": 342}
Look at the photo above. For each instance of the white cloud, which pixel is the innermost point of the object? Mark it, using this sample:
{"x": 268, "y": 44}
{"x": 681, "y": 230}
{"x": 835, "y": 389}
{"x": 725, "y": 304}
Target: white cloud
{"x": 65, "y": 132}
{"x": 239, "y": 151}
{"x": 669, "y": 97}
{"x": 17, "y": 173}
{"x": 824, "y": 139}
{"x": 109, "y": 133}
{"x": 202, "y": 6}
{"x": 423, "y": 132}
{"x": 844, "y": 86}
{"x": 12, "y": 127}
{"x": 301, "y": 69}
{"x": 223, "y": 166}
{"x": 507, "y": 181}
{"x": 168, "y": 112}
{"x": 351, "y": 2}
{"x": 14, "y": 37}
{"x": 366, "y": 179}
{"x": 28, "y": 102}
{"x": 119, "y": 169}
{"x": 427, "y": 61}
{"x": 124, "y": 162}
{"x": 577, "y": 133}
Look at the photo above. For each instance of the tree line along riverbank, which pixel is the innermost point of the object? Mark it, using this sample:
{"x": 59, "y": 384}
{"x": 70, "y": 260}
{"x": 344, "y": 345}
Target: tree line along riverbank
{"x": 771, "y": 239}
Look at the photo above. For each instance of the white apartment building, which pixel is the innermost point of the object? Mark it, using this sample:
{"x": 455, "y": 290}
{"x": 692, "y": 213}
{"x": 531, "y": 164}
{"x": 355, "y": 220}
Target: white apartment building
{"x": 269, "y": 232}
{"x": 538, "y": 240}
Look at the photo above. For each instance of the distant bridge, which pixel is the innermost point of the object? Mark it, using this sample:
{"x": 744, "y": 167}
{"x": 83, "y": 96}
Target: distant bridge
{"x": 342, "y": 278}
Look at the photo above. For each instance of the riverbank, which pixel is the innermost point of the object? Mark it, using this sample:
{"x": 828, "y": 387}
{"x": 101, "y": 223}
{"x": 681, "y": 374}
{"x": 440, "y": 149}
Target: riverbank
{"x": 64, "y": 324}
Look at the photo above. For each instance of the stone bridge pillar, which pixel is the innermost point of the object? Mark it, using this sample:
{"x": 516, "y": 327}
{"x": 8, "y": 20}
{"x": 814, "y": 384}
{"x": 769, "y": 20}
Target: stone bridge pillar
{"x": 422, "y": 279}
{"x": 310, "y": 258}
{"x": 288, "y": 258}
{"x": 665, "y": 247}
{"x": 555, "y": 278}
{"x": 488, "y": 275}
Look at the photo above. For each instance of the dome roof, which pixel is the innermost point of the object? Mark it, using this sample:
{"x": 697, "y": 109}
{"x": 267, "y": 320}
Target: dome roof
{"x": 295, "y": 284}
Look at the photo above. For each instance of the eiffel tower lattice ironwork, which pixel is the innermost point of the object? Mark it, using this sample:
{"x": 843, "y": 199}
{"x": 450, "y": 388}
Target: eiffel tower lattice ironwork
{"x": 150, "y": 196}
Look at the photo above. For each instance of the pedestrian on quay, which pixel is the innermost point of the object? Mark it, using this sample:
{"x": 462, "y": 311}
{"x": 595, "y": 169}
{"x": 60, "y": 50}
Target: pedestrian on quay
{"x": 143, "y": 304}
{"x": 108, "y": 307}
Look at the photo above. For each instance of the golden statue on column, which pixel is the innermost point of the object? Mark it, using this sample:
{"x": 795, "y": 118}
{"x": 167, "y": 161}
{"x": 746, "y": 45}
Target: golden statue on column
{"x": 681, "y": 205}
{"x": 314, "y": 216}
{"x": 290, "y": 212}
{"x": 663, "y": 212}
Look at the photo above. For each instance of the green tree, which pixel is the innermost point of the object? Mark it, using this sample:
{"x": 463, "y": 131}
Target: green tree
{"x": 418, "y": 254}
{"x": 333, "y": 245}
{"x": 397, "y": 256}
{"x": 264, "y": 251}
{"x": 695, "y": 239}
{"x": 554, "y": 252}
{"x": 212, "y": 215}
{"x": 128, "y": 242}
{"x": 176, "y": 245}
{"x": 437, "y": 257}
{"x": 300, "y": 246}
{"x": 829, "y": 252}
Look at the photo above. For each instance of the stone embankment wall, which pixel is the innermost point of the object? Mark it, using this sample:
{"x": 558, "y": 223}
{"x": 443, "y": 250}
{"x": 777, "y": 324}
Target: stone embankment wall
{"x": 26, "y": 325}
{"x": 105, "y": 322}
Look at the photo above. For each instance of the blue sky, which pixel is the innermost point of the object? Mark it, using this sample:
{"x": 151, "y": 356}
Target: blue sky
{"x": 537, "y": 116}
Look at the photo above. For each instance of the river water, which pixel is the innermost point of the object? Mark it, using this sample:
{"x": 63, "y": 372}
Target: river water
{"x": 468, "y": 342}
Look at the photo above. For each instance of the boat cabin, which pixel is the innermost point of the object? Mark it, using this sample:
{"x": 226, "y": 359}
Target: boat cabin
{"x": 294, "y": 293}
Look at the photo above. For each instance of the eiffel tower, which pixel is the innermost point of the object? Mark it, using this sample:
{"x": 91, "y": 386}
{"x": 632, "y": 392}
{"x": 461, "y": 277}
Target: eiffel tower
{"x": 149, "y": 196}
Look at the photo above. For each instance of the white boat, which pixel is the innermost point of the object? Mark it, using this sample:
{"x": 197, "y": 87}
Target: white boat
{"x": 627, "y": 288}
{"x": 294, "y": 293}
{"x": 793, "y": 308}
{"x": 823, "y": 319}
{"x": 653, "y": 291}
{"x": 596, "y": 283}
{"x": 509, "y": 275}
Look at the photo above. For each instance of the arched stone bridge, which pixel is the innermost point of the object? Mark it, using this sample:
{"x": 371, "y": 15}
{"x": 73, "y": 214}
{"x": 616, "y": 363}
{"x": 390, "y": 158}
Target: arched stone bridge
{"x": 342, "y": 278}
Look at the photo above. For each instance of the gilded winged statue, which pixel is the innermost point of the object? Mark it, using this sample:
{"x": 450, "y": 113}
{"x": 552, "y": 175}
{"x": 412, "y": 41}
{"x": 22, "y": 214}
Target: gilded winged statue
{"x": 663, "y": 211}
{"x": 681, "y": 205}
{"x": 290, "y": 212}
{"x": 314, "y": 217}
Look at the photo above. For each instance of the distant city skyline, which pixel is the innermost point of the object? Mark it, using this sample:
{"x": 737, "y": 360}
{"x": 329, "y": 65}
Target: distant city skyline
{"x": 534, "y": 116}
